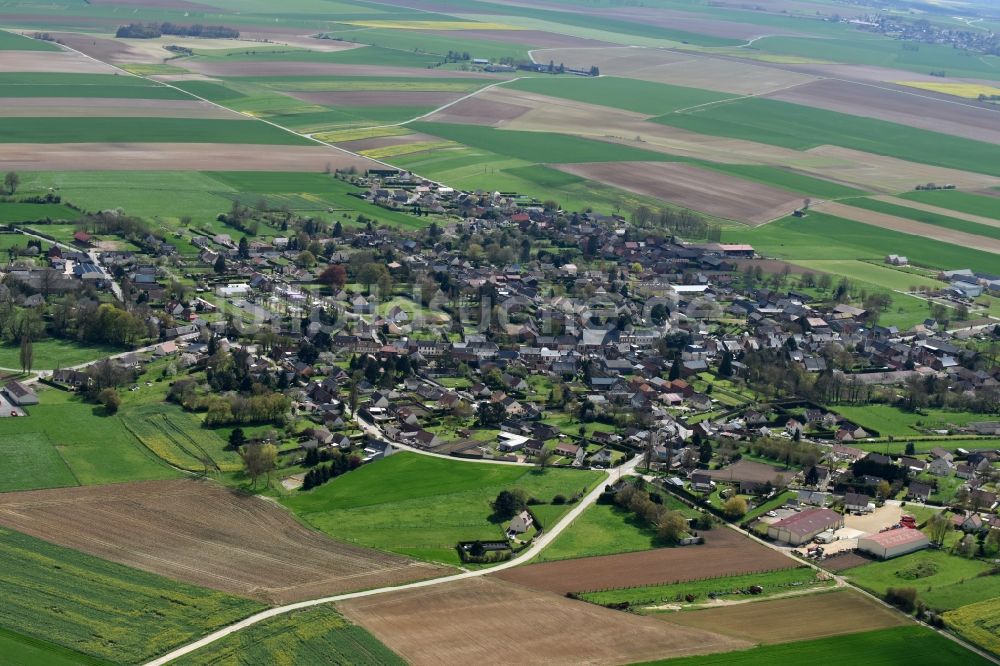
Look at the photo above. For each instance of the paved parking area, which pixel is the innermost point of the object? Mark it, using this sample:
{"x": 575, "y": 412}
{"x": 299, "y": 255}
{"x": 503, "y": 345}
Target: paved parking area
{"x": 884, "y": 516}
{"x": 7, "y": 409}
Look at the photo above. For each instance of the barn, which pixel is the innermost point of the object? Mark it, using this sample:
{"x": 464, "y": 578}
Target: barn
{"x": 886, "y": 545}
{"x": 802, "y": 527}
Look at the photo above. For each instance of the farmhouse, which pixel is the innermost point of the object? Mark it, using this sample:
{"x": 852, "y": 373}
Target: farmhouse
{"x": 885, "y": 545}
{"x": 802, "y": 527}
{"x": 857, "y": 502}
{"x": 19, "y": 394}
{"x": 520, "y": 523}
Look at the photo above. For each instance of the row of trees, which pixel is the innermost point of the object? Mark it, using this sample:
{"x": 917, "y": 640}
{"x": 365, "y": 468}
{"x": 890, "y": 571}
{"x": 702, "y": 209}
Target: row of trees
{"x": 154, "y": 30}
{"x": 340, "y": 463}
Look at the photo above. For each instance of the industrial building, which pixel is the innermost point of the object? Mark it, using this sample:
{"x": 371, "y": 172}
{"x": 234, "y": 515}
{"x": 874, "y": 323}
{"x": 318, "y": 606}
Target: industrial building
{"x": 802, "y": 527}
{"x": 886, "y": 545}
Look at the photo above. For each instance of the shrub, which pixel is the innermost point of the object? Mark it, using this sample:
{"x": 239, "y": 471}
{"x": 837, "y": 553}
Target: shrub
{"x": 903, "y": 598}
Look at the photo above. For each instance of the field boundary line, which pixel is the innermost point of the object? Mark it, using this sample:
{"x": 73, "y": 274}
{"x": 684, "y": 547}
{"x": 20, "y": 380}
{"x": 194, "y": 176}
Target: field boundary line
{"x": 526, "y": 555}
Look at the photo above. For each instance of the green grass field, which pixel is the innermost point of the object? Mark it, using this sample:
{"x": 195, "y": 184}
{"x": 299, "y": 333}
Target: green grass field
{"x": 652, "y": 99}
{"x": 955, "y": 581}
{"x": 963, "y": 202}
{"x": 801, "y": 127}
{"x": 366, "y": 55}
{"x": 101, "y": 608}
{"x": 151, "y": 130}
{"x": 20, "y": 650}
{"x": 22, "y": 212}
{"x": 420, "y": 41}
{"x": 603, "y": 529}
{"x": 926, "y": 445}
{"x": 888, "y": 420}
{"x": 422, "y": 506}
{"x": 52, "y": 84}
{"x": 539, "y": 147}
{"x": 10, "y": 41}
{"x": 310, "y": 637}
{"x": 51, "y": 353}
{"x": 912, "y": 646}
{"x": 96, "y": 448}
{"x": 725, "y": 587}
{"x": 821, "y": 236}
{"x": 32, "y": 462}
{"x": 926, "y": 217}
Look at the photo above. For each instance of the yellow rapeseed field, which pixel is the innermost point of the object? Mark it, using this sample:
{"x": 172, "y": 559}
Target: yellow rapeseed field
{"x": 967, "y": 90}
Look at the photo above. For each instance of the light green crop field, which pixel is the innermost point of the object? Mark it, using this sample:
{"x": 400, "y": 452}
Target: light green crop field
{"x": 96, "y": 448}
{"x": 629, "y": 94}
{"x": 963, "y": 202}
{"x": 311, "y": 637}
{"x": 943, "y": 581}
{"x": 140, "y": 130}
{"x": 539, "y": 147}
{"x": 822, "y": 236}
{"x": 801, "y": 127}
{"x": 20, "y": 650}
{"x": 365, "y": 55}
{"x": 912, "y": 646}
{"x": 100, "y": 608}
{"x": 178, "y": 437}
{"x": 979, "y": 623}
{"x": 419, "y": 41}
{"x": 866, "y": 49}
{"x": 863, "y": 271}
{"x": 925, "y": 445}
{"x": 10, "y": 41}
{"x": 32, "y": 462}
{"x": 926, "y": 217}
{"x": 422, "y": 507}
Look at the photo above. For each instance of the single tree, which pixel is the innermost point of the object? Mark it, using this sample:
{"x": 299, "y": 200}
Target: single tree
{"x": 333, "y": 276}
{"x": 11, "y": 181}
{"x": 258, "y": 459}
{"x": 110, "y": 399}
{"x": 735, "y": 507}
{"x": 938, "y": 527}
{"x": 27, "y": 353}
{"x": 672, "y": 527}
{"x": 220, "y": 265}
{"x": 509, "y": 503}
{"x": 237, "y": 438}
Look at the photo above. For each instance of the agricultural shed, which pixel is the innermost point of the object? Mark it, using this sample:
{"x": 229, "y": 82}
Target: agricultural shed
{"x": 800, "y": 528}
{"x": 885, "y": 545}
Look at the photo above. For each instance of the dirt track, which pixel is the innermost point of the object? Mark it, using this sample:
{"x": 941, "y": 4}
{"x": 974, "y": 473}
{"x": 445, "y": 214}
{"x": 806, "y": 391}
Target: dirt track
{"x": 906, "y": 226}
{"x": 691, "y": 187}
{"x": 483, "y": 621}
{"x": 202, "y": 533}
{"x": 725, "y": 553}
{"x": 794, "y": 618}
{"x": 173, "y": 157}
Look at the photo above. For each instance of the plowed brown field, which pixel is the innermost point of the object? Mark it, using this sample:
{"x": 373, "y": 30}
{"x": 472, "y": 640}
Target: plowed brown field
{"x": 202, "y": 533}
{"x": 483, "y": 621}
{"x": 724, "y": 553}
{"x": 699, "y": 189}
{"x": 794, "y": 618}
{"x": 174, "y": 157}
